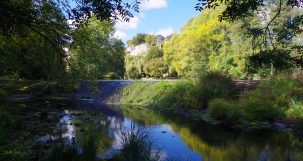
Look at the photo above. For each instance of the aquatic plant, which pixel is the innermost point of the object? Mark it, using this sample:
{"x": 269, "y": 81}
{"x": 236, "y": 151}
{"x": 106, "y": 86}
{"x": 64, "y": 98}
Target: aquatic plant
{"x": 137, "y": 145}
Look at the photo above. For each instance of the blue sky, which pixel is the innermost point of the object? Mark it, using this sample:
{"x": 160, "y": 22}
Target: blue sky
{"x": 157, "y": 17}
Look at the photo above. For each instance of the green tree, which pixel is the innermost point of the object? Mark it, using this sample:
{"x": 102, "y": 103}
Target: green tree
{"x": 137, "y": 40}
{"x": 34, "y": 33}
{"x": 188, "y": 53}
{"x": 134, "y": 66}
{"x": 280, "y": 25}
{"x": 150, "y": 40}
{"x": 26, "y": 50}
{"x": 154, "y": 64}
{"x": 95, "y": 53}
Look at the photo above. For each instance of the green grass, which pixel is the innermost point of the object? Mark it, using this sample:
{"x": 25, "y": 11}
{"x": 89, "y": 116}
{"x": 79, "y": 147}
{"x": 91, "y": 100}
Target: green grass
{"x": 163, "y": 94}
{"x": 181, "y": 94}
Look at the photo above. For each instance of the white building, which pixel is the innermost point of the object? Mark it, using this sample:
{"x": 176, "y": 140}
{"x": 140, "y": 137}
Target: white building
{"x": 136, "y": 50}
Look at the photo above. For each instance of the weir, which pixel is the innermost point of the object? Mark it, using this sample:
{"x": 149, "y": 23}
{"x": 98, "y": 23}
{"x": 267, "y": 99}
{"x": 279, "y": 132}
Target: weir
{"x": 105, "y": 100}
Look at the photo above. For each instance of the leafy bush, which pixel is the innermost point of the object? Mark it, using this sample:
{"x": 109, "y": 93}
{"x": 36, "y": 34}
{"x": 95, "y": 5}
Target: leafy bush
{"x": 215, "y": 85}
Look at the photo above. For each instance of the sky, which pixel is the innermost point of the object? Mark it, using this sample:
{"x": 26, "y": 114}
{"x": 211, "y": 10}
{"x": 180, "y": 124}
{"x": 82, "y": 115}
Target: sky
{"x": 163, "y": 17}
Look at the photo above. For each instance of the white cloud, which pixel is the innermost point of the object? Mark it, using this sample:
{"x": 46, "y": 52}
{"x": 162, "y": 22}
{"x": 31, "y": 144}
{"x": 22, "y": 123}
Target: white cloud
{"x": 153, "y": 4}
{"x": 131, "y": 24}
{"x": 164, "y": 31}
{"x": 120, "y": 35}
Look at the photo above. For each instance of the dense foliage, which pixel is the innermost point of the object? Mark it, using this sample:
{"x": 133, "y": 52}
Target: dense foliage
{"x": 146, "y": 64}
{"x": 137, "y": 40}
{"x": 39, "y": 38}
{"x": 237, "y": 48}
{"x": 95, "y": 53}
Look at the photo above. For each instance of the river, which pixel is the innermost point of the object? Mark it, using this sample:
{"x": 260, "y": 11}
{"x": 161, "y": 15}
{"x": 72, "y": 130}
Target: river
{"x": 186, "y": 139}
{"x": 179, "y": 137}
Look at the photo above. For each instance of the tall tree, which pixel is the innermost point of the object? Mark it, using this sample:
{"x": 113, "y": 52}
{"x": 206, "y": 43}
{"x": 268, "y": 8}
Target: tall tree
{"x": 95, "y": 53}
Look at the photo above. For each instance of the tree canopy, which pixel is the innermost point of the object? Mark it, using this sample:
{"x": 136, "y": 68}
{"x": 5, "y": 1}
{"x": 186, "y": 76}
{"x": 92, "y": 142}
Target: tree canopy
{"x": 95, "y": 53}
{"x": 36, "y": 36}
{"x": 240, "y": 47}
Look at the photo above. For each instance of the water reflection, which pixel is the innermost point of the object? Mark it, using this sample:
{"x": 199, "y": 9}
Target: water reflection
{"x": 186, "y": 139}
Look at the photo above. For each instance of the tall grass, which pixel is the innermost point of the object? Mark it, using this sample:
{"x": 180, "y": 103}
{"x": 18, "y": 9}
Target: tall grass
{"x": 137, "y": 145}
{"x": 279, "y": 97}
{"x": 295, "y": 111}
{"x": 225, "y": 111}
{"x": 215, "y": 85}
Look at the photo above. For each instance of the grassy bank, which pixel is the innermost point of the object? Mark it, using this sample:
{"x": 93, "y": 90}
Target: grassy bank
{"x": 276, "y": 98}
{"x": 180, "y": 94}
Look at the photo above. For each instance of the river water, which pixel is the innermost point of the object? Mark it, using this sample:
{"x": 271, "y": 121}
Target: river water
{"x": 179, "y": 138}
{"x": 185, "y": 139}
{"x": 182, "y": 138}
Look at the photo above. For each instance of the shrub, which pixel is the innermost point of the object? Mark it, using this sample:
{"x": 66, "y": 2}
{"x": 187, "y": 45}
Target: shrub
{"x": 258, "y": 109}
{"x": 272, "y": 98}
{"x": 225, "y": 111}
{"x": 234, "y": 115}
{"x": 177, "y": 96}
{"x": 214, "y": 85}
{"x": 295, "y": 111}
{"x": 281, "y": 85}
{"x": 218, "y": 108}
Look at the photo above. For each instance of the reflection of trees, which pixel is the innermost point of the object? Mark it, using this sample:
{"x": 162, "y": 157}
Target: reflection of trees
{"x": 245, "y": 147}
{"x": 143, "y": 116}
{"x": 216, "y": 144}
